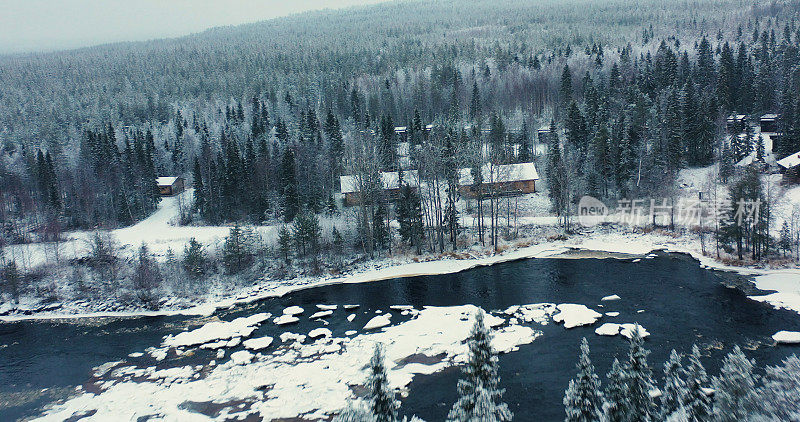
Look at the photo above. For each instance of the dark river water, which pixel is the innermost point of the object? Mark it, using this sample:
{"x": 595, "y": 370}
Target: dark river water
{"x": 671, "y": 296}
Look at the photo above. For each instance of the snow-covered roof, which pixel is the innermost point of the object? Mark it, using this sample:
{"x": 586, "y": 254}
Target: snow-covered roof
{"x": 390, "y": 179}
{"x": 428, "y": 127}
{"x": 501, "y": 173}
{"x": 400, "y": 129}
{"x": 166, "y": 181}
{"x": 733, "y": 117}
{"x": 790, "y": 161}
{"x": 770, "y": 116}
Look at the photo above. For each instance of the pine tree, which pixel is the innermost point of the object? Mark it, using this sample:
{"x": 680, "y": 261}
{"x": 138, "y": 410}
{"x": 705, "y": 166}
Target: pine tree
{"x": 285, "y": 243}
{"x": 475, "y": 103}
{"x": 199, "y": 189}
{"x": 306, "y": 233}
{"x": 615, "y": 394}
{"x": 479, "y": 395}
{"x": 735, "y": 396}
{"x": 566, "y": 86}
{"x": 583, "y": 400}
{"x": 781, "y": 389}
{"x": 696, "y": 402}
{"x": 380, "y": 396}
{"x": 785, "y": 241}
{"x": 12, "y": 280}
{"x": 637, "y": 377}
{"x": 674, "y": 391}
{"x": 289, "y": 189}
{"x": 236, "y": 253}
{"x": 194, "y": 260}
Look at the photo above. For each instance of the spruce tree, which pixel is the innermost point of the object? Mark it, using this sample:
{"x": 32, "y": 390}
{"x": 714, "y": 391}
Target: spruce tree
{"x": 781, "y": 389}
{"x": 615, "y": 394}
{"x": 674, "y": 392}
{"x": 696, "y": 402}
{"x": 480, "y": 399}
{"x": 289, "y": 188}
{"x": 285, "y": 243}
{"x": 236, "y": 253}
{"x": 735, "y": 396}
{"x": 380, "y": 398}
{"x": 583, "y": 400}
{"x": 638, "y": 379}
{"x": 194, "y": 261}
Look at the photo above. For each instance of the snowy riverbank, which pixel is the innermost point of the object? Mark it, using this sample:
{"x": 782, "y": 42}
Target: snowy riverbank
{"x": 596, "y": 242}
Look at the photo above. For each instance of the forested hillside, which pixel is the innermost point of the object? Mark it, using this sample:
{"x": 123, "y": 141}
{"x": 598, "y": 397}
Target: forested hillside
{"x": 262, "y": 119}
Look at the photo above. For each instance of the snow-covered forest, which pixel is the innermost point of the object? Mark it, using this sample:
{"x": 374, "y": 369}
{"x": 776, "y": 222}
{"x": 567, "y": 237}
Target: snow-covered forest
{"x": 262, "y": 120}
{"x": 184, "y": 176}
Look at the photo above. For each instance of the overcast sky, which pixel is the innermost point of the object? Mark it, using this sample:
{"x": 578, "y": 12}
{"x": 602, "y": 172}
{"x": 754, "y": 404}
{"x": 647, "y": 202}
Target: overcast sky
{"x": 46, "y": 25}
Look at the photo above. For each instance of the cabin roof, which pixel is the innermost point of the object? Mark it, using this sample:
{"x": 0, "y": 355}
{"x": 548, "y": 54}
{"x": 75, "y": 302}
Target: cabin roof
{"x": 770, "y": 116}
{"x": 390, "y": 179}
{"x": 500, "y": 173}
{"x": 166, "y": 180}
{"x": 790, "y": 161}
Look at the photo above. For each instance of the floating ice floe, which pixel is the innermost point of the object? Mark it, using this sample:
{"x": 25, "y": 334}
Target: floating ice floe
{"x": 350, "y": 332}
{"x": 378, "y": 322}
{"x": 241, "y": 357}
{"x": 217, "y": 330}
{"x": 136, "y": 354}
{"x": 612, "y": 314}
{"x": 351, "y": 317}
{"x": 626, "y": 330}
{"x": 293, "y": 310}
{"x": 258, "y": 343}
{"x": 350, "y": 307}
{"x": 327, "y": 307}
{"x": 321, "y": 314}
{"x": 574, "y": 315}
{"x": 539, "y": 313}
{"x": 611, "y": 297}
{"x": 319, "y": 332}
{"x": 401, "y": 307}
{"x": 787, "y": 337}
{"x": 287, "y": 336}
{"x": 285, "y": 319}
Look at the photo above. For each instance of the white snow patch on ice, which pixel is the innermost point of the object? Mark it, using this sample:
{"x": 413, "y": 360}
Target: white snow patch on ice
{"x": 293, "y": 310}
{"x": 574, "y": 315}
{"x": 217, "y": 330}
{"x": 787, "y": 337}
{"x": 378, "y": 322}
{"x": 787, "y": 287}
{"x": 258, "y": 343}
{"x": 321, "y": 314}
{"x": 319, "y": 332}
{"x": 611, "y": 297}
{"x": 305, "y": 379}
{"x": 285, "y": 319}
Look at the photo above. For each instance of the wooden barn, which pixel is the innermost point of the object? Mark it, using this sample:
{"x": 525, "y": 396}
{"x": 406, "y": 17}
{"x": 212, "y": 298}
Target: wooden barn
{"x": 351, "y": 185}
{"x": 736, "y": 123}
{"x": 504, "y": 179}
{"x": 170, "y": 185}
{"x": 790, "y": 167}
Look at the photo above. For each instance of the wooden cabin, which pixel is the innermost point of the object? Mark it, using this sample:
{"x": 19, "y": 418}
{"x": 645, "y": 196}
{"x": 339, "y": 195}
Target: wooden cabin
{"x": 769, "y": 123}
{"x": 170, "y": 185}
{"x": 790, "y": 167}
{"x": 351, "y": 185}
{"x": 736, "y": 123}
{"x": 504, "y": 179}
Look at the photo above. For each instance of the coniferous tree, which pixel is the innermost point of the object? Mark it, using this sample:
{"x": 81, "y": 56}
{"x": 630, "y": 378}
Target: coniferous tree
{"x": 289, "y": 188}
{"x": 479, "y": 395}
{"x": 781, "y": 388}
{"x": 735, "y": 395}
{"x": 615, "y": 394}
{"x": 583, "y": 400}
{"x": 696, "y": 402}
{"x": 674, "y": 392}
{"x": 637, "y": 377}
{"x": 236, "y": 253}
{"x": 194, "y": 260}
{"x": 380, "y": 396}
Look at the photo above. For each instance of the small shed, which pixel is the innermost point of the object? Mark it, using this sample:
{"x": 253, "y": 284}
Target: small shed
{"x": 504, "y": 179}
{"x": 170, "y": 185}
{"x": 390, "y": 180}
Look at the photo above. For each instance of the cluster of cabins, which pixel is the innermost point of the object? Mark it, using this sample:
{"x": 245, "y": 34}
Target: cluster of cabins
{"x": 768, "y": 128}
{"x": 499, "y": 180}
